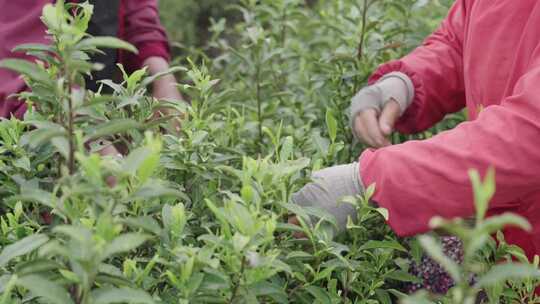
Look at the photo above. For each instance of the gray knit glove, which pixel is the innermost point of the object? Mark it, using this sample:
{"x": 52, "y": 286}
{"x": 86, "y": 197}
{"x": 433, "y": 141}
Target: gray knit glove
{"x": 328, "y": 188}
{"x": 393, "y": 86}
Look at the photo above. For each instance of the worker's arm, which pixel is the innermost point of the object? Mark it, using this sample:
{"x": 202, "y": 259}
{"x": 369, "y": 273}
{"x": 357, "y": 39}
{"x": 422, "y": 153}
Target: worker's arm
{"x": 165, "y": 87}
{"x": 144, "y": 30}
{"x": 420, "y": 179}
{"x": 415, "y": 92}
{"x": 419, "y": 89}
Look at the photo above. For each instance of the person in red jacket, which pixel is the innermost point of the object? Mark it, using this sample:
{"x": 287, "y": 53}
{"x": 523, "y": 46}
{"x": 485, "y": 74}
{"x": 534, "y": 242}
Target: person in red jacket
{"x": 485, "y": 56}
{"x": 136, "y": 21}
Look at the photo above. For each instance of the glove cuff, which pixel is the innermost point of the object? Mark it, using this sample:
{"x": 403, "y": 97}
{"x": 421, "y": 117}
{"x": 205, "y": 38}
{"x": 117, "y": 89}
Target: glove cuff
{"x": 399, "y": 87}
{"x": 327, "y": 191}
{"x": 392, "y": 86}
{"x": 357, "y": 180}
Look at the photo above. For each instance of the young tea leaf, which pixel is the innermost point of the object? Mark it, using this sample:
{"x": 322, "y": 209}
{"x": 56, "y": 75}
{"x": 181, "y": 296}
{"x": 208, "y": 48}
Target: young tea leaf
{"x": 331, "y": 124}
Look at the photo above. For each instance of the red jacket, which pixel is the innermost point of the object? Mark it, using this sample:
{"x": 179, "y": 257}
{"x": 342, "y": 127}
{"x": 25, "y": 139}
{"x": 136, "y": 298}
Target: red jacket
{"x": 20, "y": 23}
{"x": 485, "y": 56}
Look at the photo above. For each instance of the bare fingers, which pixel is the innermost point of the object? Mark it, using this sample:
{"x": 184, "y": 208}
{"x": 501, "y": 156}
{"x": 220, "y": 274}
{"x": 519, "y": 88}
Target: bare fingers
{"x": 367, "y": 128}
{"x": 389, "y": 115}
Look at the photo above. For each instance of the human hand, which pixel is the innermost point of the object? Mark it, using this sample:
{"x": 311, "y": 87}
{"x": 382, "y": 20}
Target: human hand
{"x": 165, "y": 88}
{"x": 108, "y": 149}
{"x": 328, "y": 188}
{"x": 374, "y": 128}
{"x": 376, "y": 109}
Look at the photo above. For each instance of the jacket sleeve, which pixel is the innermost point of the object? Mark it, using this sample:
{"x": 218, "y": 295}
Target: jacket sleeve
{"x": 421, "y": 179}
{"x": 19, "y": 23}
{"x": 142, "y": 28}
{"x": 436, "y": 69}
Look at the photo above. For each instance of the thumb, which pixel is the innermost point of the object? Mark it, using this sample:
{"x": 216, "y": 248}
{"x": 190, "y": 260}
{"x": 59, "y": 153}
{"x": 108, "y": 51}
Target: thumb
{"x": 389, "y": 115}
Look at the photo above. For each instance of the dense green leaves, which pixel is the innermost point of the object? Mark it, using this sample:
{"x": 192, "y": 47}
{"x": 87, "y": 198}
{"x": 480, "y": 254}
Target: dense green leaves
{"x": 199, "y": 214}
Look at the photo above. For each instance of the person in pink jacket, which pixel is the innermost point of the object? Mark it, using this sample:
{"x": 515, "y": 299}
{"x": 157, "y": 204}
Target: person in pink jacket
{"x": 486, "y": 57}
{"x": 136, "y": 21}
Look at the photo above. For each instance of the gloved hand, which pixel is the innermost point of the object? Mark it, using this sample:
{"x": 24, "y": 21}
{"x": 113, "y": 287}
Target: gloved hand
{"x": 376, "y": 108}
{"x": 329, "y": 186}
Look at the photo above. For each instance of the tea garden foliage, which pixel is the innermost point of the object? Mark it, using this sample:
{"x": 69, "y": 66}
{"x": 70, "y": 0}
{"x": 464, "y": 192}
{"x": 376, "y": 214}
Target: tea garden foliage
{"x": 200, "y": 216}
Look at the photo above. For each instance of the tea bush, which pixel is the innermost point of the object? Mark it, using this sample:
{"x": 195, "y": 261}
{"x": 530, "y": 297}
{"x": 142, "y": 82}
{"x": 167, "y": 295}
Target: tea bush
{"x": 200, "y": 217}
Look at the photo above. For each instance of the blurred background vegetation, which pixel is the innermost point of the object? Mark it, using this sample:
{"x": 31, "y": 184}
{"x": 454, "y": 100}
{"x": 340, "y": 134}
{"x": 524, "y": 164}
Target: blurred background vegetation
{"x": 188, "y": 21}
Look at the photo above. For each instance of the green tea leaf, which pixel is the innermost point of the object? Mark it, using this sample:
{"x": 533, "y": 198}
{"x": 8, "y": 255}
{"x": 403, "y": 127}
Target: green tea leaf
{"x": 124, "y": 243}
{"x": 26, "y": 68}
{"x": 383, "y": 296}
{"x": 36, "y": 195}
{"x": 105, "y": 42}
{"x": 150, "y": 79}
{"x": 111, "y": 128}
{"x": 108, "y": 295}
{"x": 69, "y": 275}
{"x": 33, "y": 47}
{"x": 35, "y": 266}
{"x": 492, "y": 224}
{"x": 157, "y": 189}
{"x": 5, "y": 280}
{"x": 272, "y": 290}
{"x": 320, "y": 294}
{"x": 144, "y": 222}
{"x": 331, "y": 124}
{"x": 135, "y": 78}
{"x": 22, "y": 247}
{"x": 287, "y": 152}
{"x": 45, "y": 288}
{"x": 483, "y": 191}
{"x": 508, "y": 271}
{"x": 45, "y": 132}
{"x": 80, "y": 234}
{"x": 403, "y": 276}
{"x": 383, "y": 244}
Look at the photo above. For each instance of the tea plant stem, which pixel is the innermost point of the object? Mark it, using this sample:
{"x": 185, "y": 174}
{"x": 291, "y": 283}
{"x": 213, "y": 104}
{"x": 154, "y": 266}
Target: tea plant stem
{"x": 237, "y": 283}
{"x": 363, "y": 30}
{"x": 71, "y": 143}
{"x": 283, "y": 34}
{"x": 71, "y": 161}
{"x": 346, "y": 286}
{"x": 294, "y": 290}
{"x": 361, "y": 46}
{"x": 259, "y": 103}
